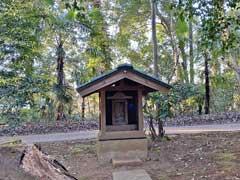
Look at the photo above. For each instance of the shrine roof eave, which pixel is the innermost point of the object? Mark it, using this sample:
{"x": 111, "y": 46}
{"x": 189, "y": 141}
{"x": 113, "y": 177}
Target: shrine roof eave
{"x": 123, "y": 71}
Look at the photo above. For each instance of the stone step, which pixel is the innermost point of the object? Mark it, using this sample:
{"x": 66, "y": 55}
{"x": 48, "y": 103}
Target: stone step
{"x": 126, "y": 162}
{"x": 139, "y": 174}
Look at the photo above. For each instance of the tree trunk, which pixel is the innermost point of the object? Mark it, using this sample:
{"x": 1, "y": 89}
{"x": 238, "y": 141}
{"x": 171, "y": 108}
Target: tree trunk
{"x": 60, "y": 77}
{"x": 236, "y": 68}
{"x": 83, "y": 108}
{"x": 155, "y": 63}
{"x": 60, "y": 112}
{"x": 199, "y": 109}
{"x": 184, "y": 64}
{"x": 160, "y": 128}
{"x": 207, "y": 86}
{"x": 94, "y": 108}
{"x": 237, "y": 72}
{"x": 60, "y": 63}
{"x": 152, "y": 128}
{"x": 191, "y": 58}
{"x": 176, "y": 61}
{"x": 168, "y": 25}
{"x": 89, "y": 108}
{"x": 154, "y": 38}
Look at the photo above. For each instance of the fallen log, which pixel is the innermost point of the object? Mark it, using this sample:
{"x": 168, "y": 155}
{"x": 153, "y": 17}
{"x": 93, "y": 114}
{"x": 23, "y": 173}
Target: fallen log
{"x": 41, "y": 165}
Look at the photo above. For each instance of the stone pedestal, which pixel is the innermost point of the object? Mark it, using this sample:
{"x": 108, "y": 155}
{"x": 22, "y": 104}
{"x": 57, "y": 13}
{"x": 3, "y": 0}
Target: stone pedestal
{"x": 139, "y": 174}
{"x": 120, "y": 147}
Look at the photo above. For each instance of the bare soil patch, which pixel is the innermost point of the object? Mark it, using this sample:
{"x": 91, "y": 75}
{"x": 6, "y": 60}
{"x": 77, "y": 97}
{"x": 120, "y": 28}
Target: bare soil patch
{"x": 201, "y": 156}
{"x": 182, "y": 157}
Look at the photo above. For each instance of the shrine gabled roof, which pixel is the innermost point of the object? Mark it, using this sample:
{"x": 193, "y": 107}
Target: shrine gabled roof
{"x": 123, "y": 71}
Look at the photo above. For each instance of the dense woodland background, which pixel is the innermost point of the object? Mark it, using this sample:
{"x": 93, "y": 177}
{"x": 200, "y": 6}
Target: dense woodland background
{"x": 49, "y": 47}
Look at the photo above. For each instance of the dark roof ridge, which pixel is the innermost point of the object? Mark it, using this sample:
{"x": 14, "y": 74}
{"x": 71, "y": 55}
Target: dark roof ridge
{"x": 125, "y": 66}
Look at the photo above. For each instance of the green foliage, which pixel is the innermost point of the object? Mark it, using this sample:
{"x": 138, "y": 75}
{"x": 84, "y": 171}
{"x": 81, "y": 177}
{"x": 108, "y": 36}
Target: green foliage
{"x": 223, "y": 92}
{"x": 99, "y": 51}
{"x": 182, "y": 28}
{"x": 63, "y": 93}
{"x": 171, "y": 104}
{"x": 20, "y": 49}
{"x": 49, "y": 2}
{"x": 71, "y": 14}
{"x": 97, "y": 36}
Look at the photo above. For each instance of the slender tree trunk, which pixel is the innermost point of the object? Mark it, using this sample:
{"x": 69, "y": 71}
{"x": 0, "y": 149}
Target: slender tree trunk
{"x": 152, "y": 128}
{"x": 236, "y": 68}
{"x": 174, "y": 49}
{"x": 155, "y": 65}
{"x": 60, "y": 64}
{"x": 94, "y": 108}
{"x": 168, "y": 25}
{"x": 175, "y": 56}
{"x": 60, "y": 77}
{"x": 83, "y": 108}
{"x": 184, "y": 64}
{"x": 154, "y": 38}
{"x": 237, "y": 72}
{"x": 200, "y": 109}
{"x": 89, "y": 107}
{"x": 191, "y": 58}
{"x": 207, "y": 85}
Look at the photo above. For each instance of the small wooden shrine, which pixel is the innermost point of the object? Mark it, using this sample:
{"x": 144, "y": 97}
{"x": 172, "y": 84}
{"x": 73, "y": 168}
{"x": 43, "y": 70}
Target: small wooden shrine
{"x": 120, "y": 91}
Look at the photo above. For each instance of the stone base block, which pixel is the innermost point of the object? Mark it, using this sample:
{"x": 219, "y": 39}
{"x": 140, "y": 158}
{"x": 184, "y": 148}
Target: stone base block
{"x": 139, "y": 174}
{"x": 122, "y": 149}
{"x": 126, "y": 162}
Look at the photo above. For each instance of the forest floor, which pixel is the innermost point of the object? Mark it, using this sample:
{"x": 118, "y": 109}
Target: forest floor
{"x": 196, "y": 156}
{"x": 213, "y": 155}
{"x": 42, "y": 127}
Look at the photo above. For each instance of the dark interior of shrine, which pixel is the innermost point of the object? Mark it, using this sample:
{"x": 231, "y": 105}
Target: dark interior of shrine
{"x": 122, "y": 105}
{"x": 132, "y": 107}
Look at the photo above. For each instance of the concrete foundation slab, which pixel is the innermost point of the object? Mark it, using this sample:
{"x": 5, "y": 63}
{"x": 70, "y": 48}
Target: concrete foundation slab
{"x": 122, "y": 149}
{"x": 139, "y": 174}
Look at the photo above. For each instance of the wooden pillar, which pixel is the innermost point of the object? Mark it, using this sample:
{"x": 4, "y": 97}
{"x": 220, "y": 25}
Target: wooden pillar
{"x": 140, "y": 111}
{"x": 103, "y": 110}
{"x": 83, "y": 108}
{"x": 99, "y": 109}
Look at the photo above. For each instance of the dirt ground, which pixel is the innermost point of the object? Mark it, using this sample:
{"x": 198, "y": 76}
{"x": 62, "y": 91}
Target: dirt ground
{"x": 182, "y": 157}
